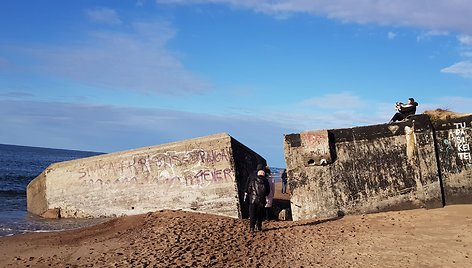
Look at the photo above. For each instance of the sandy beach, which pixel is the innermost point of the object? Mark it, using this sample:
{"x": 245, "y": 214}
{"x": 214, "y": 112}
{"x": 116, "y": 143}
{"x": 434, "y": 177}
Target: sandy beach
{"x": 416, "y": 238}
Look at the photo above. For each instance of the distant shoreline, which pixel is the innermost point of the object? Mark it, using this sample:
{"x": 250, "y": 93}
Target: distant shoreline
{"x": 47, "y": 148}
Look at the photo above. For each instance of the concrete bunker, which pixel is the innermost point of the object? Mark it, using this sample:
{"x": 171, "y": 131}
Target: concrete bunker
{"x": 411, "y": 164}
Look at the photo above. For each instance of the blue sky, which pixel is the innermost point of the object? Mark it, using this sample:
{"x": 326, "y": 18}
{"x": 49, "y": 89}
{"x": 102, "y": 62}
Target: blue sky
{"x": 115, "y": 75}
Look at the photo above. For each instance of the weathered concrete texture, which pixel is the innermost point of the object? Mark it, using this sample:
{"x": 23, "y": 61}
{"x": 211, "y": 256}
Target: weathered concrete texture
{"x": 454, "y": 139}
{"x": 203, "y": 175}
{"x": 370, "y": 169}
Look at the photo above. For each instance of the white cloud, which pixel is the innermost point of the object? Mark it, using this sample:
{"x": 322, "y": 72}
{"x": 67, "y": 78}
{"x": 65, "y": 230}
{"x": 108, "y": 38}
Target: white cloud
{"x": 429, "y": 34}
{"x": 338, "y": 101}
{"x": 312, "y": 120}
{"x": 16, "y": 95}
{"x": 467, "y": 54}
{"x": 437, "y": 15}
{"x": 103, "y": 15}
{"x": 463, "y": 69}
{"x": 391, "y": 35}
{"x": 466, "y": 45}
{"x": 137, "y": 60}
{"x": 465, "y": 39}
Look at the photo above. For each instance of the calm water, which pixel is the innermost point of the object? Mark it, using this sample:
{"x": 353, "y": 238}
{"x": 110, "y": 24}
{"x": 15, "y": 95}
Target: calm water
{"x": 18, "y": 166}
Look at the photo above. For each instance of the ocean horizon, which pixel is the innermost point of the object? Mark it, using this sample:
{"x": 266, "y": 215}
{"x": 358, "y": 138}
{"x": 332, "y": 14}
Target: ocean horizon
{"x": 19, "y": 165}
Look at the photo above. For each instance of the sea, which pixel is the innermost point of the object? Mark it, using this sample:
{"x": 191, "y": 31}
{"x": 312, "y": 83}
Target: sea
{"x": 18, "y": 166}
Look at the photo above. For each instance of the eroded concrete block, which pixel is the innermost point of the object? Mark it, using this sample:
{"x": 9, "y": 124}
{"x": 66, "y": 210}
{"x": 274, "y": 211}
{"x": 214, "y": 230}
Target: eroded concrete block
{"x": 205, "y": 175}
{"x": 373, "y": 168}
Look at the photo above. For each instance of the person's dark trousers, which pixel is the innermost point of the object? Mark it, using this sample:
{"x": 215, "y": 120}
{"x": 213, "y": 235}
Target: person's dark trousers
{"x": 284, "y": 187}
{"x": 397, "y": 117}
{"x": 267, "y": 214}
{"x": 256, "y": 215}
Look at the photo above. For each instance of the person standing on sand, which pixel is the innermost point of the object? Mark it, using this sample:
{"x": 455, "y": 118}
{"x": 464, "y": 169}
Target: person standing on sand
{"x": 257, "y": 188}
{"x": 284, "y": 181}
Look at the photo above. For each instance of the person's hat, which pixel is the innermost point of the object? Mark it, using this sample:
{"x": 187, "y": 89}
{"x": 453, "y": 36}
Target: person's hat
{"x": 411, "y": 99}
{"x": 260, "y": 167}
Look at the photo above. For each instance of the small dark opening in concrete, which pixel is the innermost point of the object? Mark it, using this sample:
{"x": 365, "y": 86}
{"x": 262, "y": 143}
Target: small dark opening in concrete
{"x": 311, "y": 162}
{"x": 132, "y": 207}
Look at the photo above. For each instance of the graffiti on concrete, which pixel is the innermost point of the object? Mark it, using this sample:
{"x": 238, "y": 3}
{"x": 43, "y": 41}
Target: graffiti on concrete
{"x": 317, "y": 141}
{"x": 196, "y": 168}
{"x": 459, "y": 136}
{"x": 317, "y": 144}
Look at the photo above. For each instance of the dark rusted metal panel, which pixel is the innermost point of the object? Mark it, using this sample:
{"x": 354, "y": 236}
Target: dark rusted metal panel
{"x": 294, "y": 140}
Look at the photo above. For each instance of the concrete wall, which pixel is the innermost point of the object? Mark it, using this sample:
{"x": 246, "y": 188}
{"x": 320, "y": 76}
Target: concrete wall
{"x": 363, "y": 169}
{"x": 203, "y": 174}
{"x": 454, "y": 140}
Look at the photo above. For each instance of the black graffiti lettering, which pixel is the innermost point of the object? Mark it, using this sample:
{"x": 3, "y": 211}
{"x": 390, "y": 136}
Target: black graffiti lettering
{"x": 216, "y": 174}
{"x": 160, "y": 160}
{"x": 202, "y": 156}
{"x": 227, "y": 173}
{"x": 155, "y": 159}
{"x": 175, "y": 160}
{"x": 82, "y": 171}
{"x": 225, "y": 153}
{"x": 217, "y": 156}
{"x": 205, "y": 174}
{"x": 187, "y": 158}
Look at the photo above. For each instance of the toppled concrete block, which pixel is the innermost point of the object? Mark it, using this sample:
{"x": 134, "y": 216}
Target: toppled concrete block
{"x": 205, "y": 175}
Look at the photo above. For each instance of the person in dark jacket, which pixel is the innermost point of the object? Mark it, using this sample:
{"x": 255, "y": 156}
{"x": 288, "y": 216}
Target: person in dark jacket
{"x": 257, "y": 188}
{"x": 404, "y": 110}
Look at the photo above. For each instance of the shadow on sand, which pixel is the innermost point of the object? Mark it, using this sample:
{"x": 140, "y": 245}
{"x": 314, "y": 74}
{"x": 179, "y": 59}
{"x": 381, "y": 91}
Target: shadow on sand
{"x": 310, "y": 223}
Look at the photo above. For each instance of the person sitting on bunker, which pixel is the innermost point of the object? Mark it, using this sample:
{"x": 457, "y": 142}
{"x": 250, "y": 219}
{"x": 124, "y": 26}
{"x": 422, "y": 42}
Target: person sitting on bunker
{"x": 404, "y": 110}
{"x": 257, "y": 188}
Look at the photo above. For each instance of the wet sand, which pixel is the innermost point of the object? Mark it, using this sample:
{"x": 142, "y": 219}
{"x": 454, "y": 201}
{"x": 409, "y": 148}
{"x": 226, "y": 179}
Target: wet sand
{"x": 416, "y": 238}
